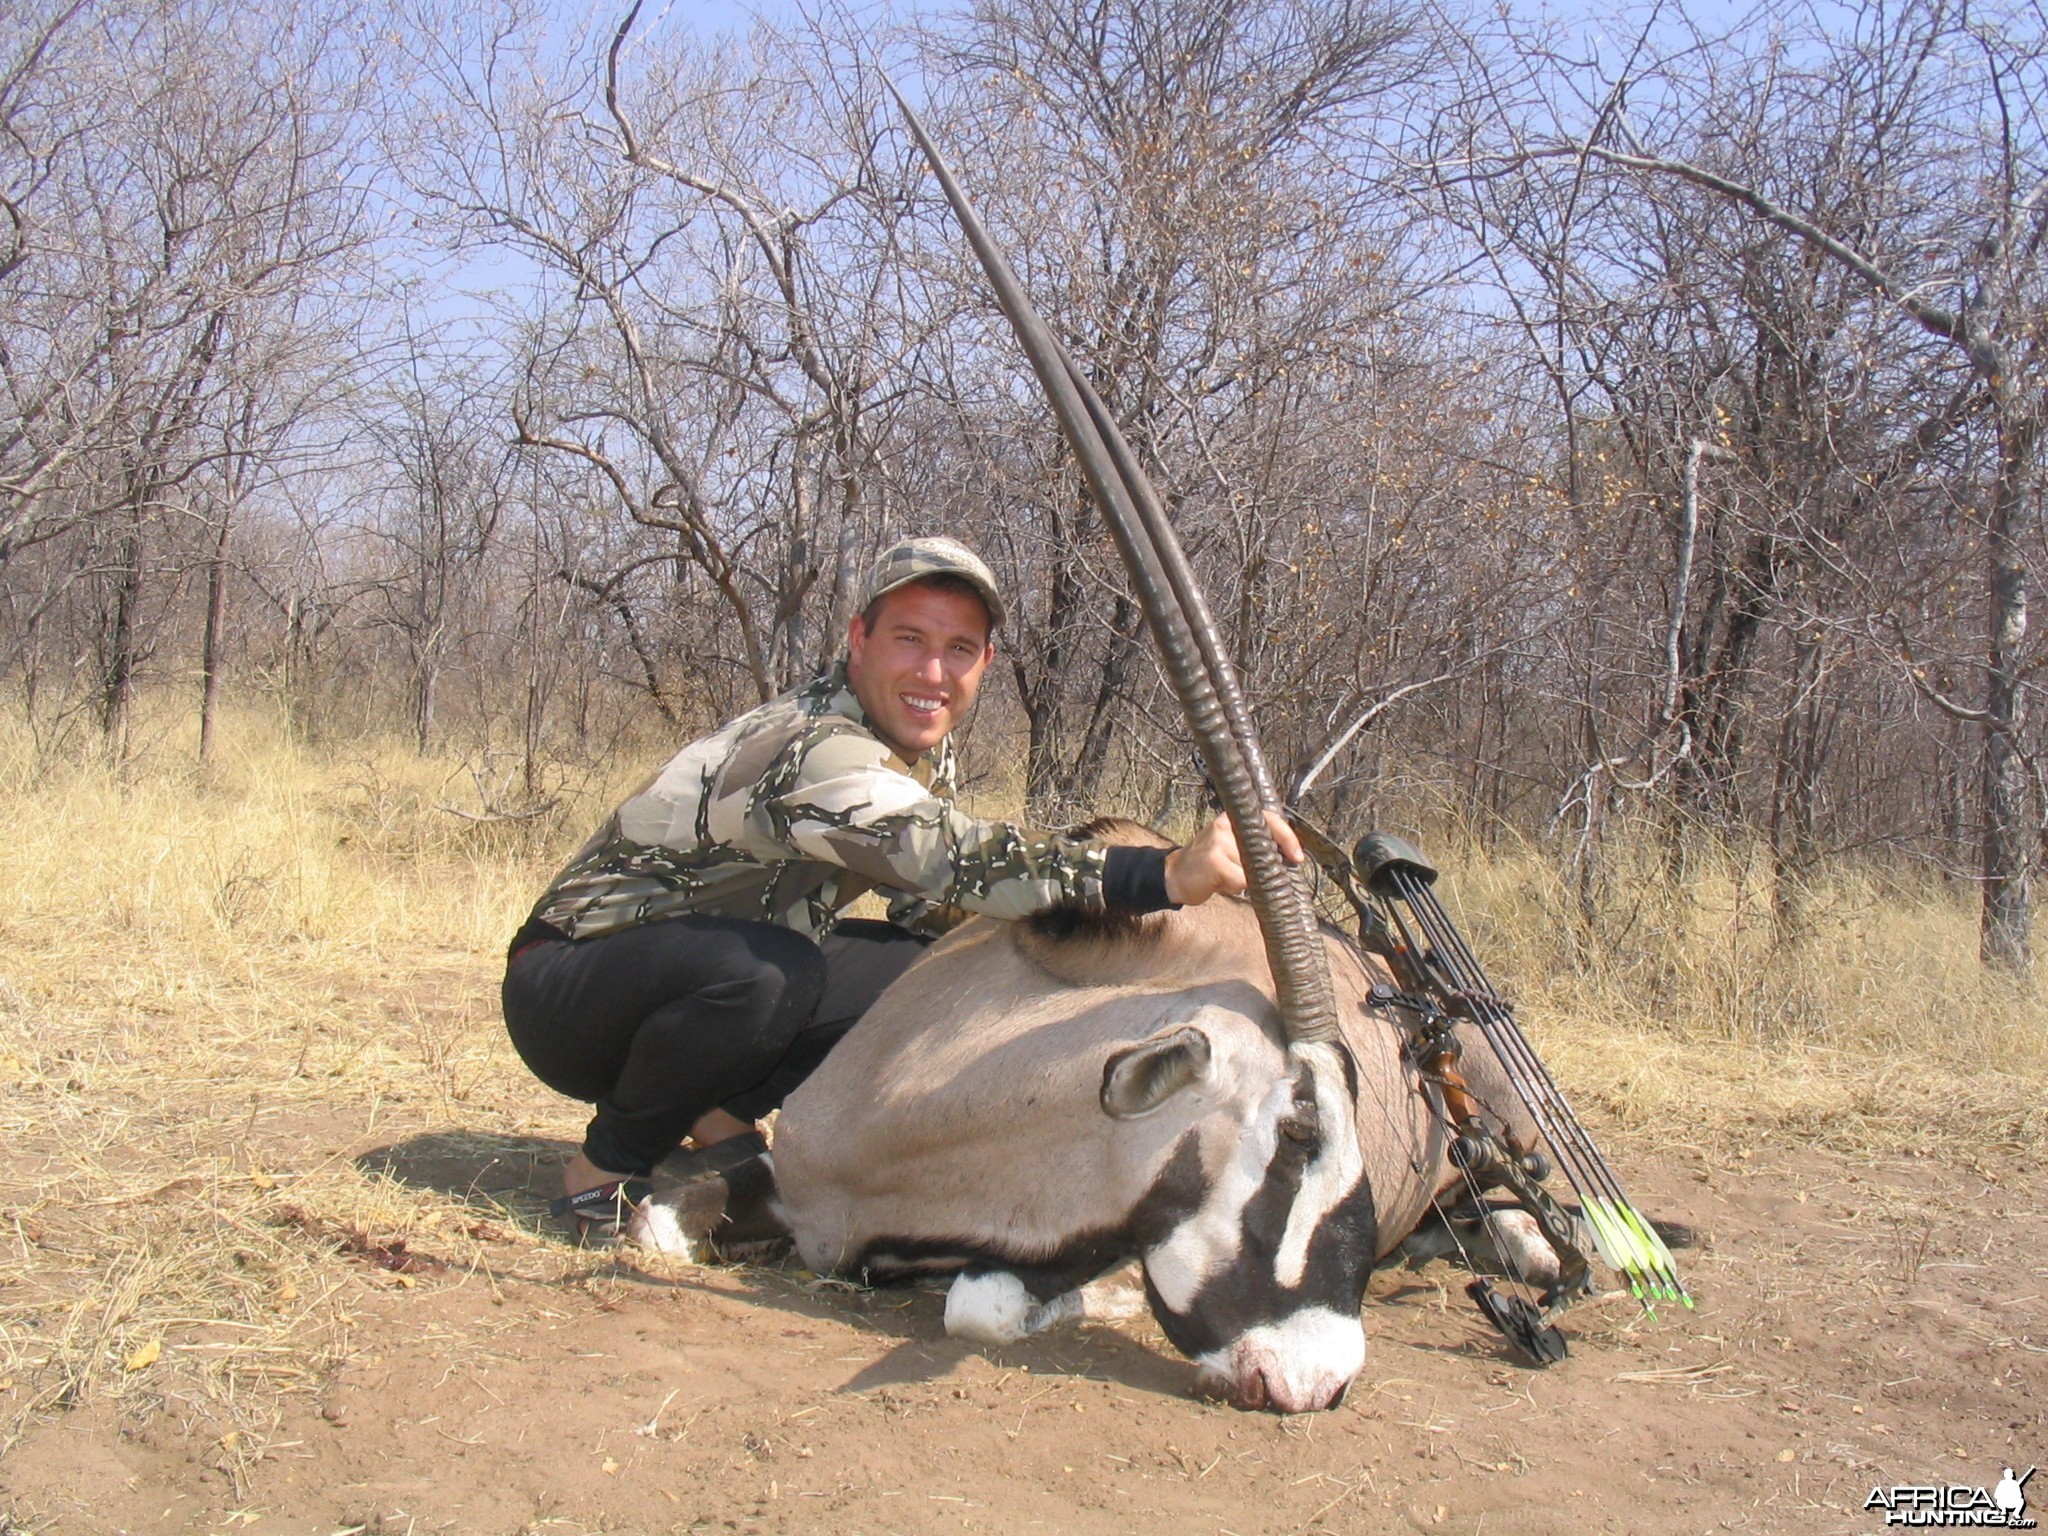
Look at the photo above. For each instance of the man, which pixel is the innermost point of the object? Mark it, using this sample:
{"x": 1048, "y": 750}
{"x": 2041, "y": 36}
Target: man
{"x": 688, "y": 969}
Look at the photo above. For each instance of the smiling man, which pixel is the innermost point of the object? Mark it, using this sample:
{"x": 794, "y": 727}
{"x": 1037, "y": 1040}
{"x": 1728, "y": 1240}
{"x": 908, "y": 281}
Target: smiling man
{"x": 689, "y": 967}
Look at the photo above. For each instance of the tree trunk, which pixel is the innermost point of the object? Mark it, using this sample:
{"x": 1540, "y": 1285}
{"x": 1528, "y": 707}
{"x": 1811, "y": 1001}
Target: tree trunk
{"x": 1585, "y": 859}
{"x": 1085, "y": 782}
{"x": 1043, "y": 799}
{"x": 1794, "y": 787}
{"x": 1717, "y": 699}
{"x": 535, "y": 714}
{"x": 118, "y": 684}
{"x": 2005, "y": 939}
{"x": 300, "y": 628}
{"x": 845, "y": 587}
{"x": 426, "y": 678}
{"x": 210, "y": 640}
{"x": 1040, "y": 679}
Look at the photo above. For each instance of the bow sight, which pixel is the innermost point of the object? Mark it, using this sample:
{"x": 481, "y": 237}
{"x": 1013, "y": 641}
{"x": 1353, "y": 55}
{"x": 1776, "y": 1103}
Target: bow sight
{"x": 1439, "y": 983}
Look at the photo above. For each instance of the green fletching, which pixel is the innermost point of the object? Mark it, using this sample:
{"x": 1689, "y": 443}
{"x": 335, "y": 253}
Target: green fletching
{"x": 1633, "y": 1249}
{"x": 1652, "y": 1243}
{"x": 1660, "y": 1256}
{"x": 1627, "y": 1254}
{"x": 1605, "y": 1237}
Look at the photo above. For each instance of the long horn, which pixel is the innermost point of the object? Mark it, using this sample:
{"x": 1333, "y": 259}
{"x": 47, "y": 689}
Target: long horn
{"x": 1196, "y": 662}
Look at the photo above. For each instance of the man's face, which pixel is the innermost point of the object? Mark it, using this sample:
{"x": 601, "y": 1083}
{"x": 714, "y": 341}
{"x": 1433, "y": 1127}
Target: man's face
{"x": 917, "y": 671}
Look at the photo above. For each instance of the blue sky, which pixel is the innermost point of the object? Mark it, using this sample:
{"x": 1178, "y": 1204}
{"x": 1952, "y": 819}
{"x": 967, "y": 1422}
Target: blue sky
{"x": 459, "y": 292}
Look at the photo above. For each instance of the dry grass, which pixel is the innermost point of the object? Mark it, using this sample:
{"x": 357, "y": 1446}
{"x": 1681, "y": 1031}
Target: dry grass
{"x": 212, "y": 991}
{"x": 215, "y": 991}
{"x": 1682, "y": 1012}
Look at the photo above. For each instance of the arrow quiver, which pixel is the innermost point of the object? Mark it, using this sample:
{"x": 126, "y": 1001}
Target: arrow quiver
{"x": 1388, "y": 884}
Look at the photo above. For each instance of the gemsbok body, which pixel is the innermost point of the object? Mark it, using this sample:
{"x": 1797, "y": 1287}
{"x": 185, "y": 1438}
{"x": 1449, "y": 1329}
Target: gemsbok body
{"x": 1035, "y": 1104}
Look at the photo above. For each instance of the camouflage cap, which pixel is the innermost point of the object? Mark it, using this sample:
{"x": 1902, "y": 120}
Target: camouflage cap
{"x": 911, "y": 560}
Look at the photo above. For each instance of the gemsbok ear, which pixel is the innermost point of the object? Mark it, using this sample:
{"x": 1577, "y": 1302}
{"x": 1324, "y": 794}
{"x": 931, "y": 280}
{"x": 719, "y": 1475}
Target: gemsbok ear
{"x": 1139, "y": 1078}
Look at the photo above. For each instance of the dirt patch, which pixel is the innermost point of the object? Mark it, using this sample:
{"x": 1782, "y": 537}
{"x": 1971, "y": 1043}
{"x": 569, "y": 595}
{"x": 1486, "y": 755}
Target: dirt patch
{"x": 1858, "y": 1325}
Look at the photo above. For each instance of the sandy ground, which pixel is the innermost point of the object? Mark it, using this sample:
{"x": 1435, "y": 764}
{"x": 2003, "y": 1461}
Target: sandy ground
{"x": 1858, "y": 1325}
{"x": 272, "y": 1256}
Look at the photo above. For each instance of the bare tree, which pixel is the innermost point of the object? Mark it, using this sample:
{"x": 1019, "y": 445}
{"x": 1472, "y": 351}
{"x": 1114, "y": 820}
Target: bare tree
{"x": 1170, "y": 180}
{"x": 436, "y": 434}
{"x": 715, "y": 327}
{"x": 175, "y": 216}
{"x": 1904, "y": 151}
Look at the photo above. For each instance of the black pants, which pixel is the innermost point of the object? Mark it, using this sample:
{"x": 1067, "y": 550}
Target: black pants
{"x": 659, "y": 1023}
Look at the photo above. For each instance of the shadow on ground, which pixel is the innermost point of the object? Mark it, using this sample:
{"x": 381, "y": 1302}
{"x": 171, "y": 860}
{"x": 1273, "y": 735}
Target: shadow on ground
{"x": 495, "y": 1174}
{"x": 913, "y": 1315}
{"x": 518, "y": 1175}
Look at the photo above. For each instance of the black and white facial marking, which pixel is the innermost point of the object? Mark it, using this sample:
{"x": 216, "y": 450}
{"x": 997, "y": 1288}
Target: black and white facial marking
{"x": 1261, "y": 1283}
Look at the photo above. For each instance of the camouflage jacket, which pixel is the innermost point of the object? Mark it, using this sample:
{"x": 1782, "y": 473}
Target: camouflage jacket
{"x": 793, "y": 810}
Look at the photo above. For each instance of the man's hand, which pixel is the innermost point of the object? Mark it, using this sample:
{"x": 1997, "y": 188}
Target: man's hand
{"x": 1211, "y": 861}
